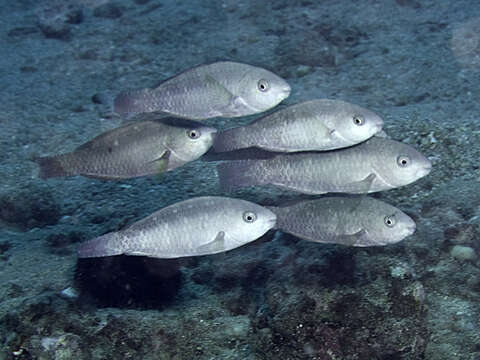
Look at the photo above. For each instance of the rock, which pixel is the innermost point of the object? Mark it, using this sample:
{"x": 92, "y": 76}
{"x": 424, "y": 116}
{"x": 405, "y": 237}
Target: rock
{"x": 55, "y": 30}
{"x": 29, "y": 207}
{"x": 54, "y": 21}
{"x": 463, "y": 253}
{"x": 109, "y": 11}
{"x": 128, "y": 281}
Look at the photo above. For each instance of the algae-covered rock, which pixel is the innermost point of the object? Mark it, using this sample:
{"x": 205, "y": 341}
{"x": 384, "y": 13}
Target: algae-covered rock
{"x": 29, "y": 206}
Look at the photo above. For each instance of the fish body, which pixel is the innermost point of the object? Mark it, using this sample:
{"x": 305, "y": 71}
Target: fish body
{"x": 136, "y": 149}
{"x": 198, "y": 226}
{"x": 316, "y": 125}
{"x": 226, "y": 89}
{"x": 353, "y": 221}
{"x": 375, "y": 165}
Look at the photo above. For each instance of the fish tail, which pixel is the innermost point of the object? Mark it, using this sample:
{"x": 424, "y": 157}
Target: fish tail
{"x": 229, "y": 140}
{"x": 237, "y": 174}
{"x": 105, "y": 245}
{"x": 129, "y": 103}
{"x": 51, "y": 166}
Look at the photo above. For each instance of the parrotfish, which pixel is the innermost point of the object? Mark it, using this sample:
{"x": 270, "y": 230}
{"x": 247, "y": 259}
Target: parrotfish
{"x": 375, "y": 165}
{"x": 198, "y": 226}
{"x": 315, "y": 125}
{"x": 220, "y": 89}
{"x": 137, "y": 149}
{"x": 353, "y": 221}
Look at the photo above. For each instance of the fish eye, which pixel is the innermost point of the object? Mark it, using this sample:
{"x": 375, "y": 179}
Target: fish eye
{"x": 249, "y": 216}
{"x": 263, "y": 85}
{"x": 358, "y": 120}
{"x": 193, "y": 134}
{"x": 390, "y": 220}
{"x": 403, "y": 161}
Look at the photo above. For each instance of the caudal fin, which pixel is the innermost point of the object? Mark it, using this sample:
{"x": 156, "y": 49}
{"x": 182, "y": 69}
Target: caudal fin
{"x": 105, "y": 245}
{"x": 51, "y": 166}
{"x": 237, "y": 174}
{"x": 130, "y": 103}
{"x": 229, "y": 140}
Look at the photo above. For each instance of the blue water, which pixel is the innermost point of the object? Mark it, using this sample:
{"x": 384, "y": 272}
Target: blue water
{"x": 414, "y": 62}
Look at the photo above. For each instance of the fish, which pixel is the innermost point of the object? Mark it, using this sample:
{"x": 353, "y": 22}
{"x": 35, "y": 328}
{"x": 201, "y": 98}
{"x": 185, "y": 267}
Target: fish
{"x": 377, "y": 164}
{"x": 315, "y": 125}
{"x": 352, "y": 221}
{"x": 136, "y": 149}
{"x": 220, "y": 89}
{"x": 198, "y": 226}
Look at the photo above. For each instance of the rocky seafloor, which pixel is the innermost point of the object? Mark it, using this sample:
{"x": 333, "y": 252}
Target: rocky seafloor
{"x": 415, "y": 62}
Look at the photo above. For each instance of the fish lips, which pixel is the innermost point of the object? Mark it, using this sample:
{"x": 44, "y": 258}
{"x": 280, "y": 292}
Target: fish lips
{"x": 272, "y": 221}
{"x": 285, "y": 92}
{"x": 424, "y": 170}
{"x": 378, "y": 126}
{"x": 411, "y": 229}
{"x": 408, "y": 229}
{"x": 212, "y": 133}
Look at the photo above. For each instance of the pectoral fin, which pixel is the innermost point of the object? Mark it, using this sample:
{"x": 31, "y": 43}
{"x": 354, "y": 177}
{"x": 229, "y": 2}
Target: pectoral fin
{"x": 221, "y": 91}
{"x": 228, "y": 103}
{"x": 362, "y": 186}
{"x": 215, "y": 246}
{"x": 160, "y": 164}
{"x": 331, "y": 133}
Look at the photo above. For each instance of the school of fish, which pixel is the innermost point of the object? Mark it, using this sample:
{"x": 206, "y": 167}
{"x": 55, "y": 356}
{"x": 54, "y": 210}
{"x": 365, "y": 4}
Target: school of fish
{"x": 315, "y": 147}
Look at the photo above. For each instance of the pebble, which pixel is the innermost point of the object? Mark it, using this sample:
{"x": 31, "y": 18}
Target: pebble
{"x": 463, "y": 253}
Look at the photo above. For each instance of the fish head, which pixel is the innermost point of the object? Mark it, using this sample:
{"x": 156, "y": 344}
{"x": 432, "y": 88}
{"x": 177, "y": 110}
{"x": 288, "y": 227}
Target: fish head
{"x": 384, "y": 224}
{"x": 397, "y": 164}
{"x": 392, "y": 227}
{"x": 190, "y": 141}
{"x": 260, "y": 90}
{"x": 248, "y": 222}
{"x": 356, "y": 124}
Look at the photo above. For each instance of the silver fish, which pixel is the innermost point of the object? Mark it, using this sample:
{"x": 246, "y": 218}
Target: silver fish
{"x": 198, "y": 226}
{"x": 345, "y": 220}
{"x": 315, "y": 125}
{"x": 136, "y": 149}
{"x": 226, "y": 89}
{"x": 375, "y": 165}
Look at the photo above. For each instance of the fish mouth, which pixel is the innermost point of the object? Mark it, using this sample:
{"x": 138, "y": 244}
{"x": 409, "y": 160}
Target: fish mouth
{"x": 425, "y": 170}
{"x": 212, "y": 133}
{"x": 411, "y": 229}
{"x": 378, "y": 127}
{"x": 272, "y": 221}
{"x": 285, "y": 92}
